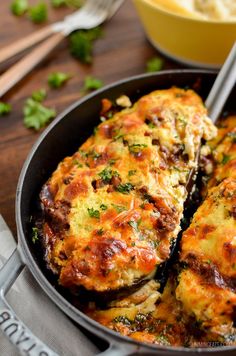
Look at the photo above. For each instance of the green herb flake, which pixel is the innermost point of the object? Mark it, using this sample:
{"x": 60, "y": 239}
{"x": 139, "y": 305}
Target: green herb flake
{"x": 100, "y": 232}
{"x": 103, "y": 207}
{"x": 94, "y": 213}
{"x": 81, "y": 43}
{"x": 134, "y": 225}
{"x": 91, "y": 83}
{"x": 36, "y": 115}
{"x": 226, "y": 159}
{"x": 154, "y": 64}
{"x": 151, "y": 125}
{"x": 125, "y": 188}
{"x": 119, "y": 208}
{"x": 58, "y": 79}
{"x": 4, "y": 108}
{"x": 39, "y": 95}
{"x": 77, "y": 163}
{"x": 35, "y": 234}
{"x": 136, "y": 148}
{"x": 132, "y": 172}
{"x": 38, "y": 13}
{"x": 122, "y": 319}
{"x": 106, "y": 175}
{"x": 19, "y": 7}
{"x": 162, "y": 340}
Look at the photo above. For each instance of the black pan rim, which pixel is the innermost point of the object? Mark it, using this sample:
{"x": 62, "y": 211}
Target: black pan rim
{"x": 78, "y": 316}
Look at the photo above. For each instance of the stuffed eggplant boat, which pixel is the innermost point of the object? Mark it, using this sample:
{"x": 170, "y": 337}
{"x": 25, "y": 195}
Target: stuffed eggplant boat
{"x": 198, "y": 304}
{"x": 112, "y": 211}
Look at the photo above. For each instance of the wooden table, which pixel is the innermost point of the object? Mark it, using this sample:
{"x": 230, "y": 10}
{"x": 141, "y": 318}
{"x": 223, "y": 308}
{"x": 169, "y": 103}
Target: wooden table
{"x": 122, "y": 52}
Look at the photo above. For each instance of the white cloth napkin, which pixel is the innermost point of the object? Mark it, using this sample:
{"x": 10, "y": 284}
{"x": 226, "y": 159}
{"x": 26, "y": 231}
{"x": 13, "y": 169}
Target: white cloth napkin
{"x": 38, "y": 312}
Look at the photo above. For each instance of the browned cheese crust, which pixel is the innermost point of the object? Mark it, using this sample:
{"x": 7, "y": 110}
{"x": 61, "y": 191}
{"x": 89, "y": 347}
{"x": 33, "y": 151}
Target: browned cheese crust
{"x": 113, "y": 209}
{"x": 207, "y": 285}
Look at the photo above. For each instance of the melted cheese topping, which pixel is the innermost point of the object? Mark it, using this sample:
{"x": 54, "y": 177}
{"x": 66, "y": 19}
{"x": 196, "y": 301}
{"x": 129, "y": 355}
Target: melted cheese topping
{"x": 118, "y": 201}
{"x": 223, "y": 149}
{"x": 197, "y": 308}
{"x": 207, "y": 287}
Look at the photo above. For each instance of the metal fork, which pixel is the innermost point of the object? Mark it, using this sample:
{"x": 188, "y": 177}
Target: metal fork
{"x": 92, "y": 14}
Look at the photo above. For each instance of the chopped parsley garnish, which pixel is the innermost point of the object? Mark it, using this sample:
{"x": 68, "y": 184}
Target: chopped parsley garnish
{"x": 132, "y": 172}
{"x": 35, "y": 236}
{"x": 4, "y": 108}
{"x": 100, "y": 231}
{"x": 107, "y": 174}
{"x": 38, "y": 13}
{"x": 36, "y": 115}
{"x": 91, "y": 83}
{"x": 154, "y": 64}
{"x": 103, "y": 207}
{"x": 81, "y": 43}
{"x": 94, "y": 213}
{"x": 136, "y": 147}
{"x": 57, "y": 79}
{"x": 122, "y": 319}
{"x": 77, "y": 163}
{"x": 162, "y": 339}
{"x": 19, "y": 7}
{"x": 39, "y": 95}
{"x": 119, "y": 208}
{"x": 118, "y": 136}
{"x": 134, "y": 224}
{"x": 125, "y": 188}
{"x": 225, "y": 159}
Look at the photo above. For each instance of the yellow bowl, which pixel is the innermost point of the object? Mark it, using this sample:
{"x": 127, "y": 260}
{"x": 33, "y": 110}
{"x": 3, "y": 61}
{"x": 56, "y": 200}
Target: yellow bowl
{"x": 185, "y": 37}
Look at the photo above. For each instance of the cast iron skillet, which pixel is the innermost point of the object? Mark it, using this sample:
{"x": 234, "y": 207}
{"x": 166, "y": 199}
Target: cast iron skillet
{"x": 62, "y": 138}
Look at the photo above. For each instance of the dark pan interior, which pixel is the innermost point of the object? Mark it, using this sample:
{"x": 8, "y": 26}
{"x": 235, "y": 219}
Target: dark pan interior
{"x": 64, "y": 136}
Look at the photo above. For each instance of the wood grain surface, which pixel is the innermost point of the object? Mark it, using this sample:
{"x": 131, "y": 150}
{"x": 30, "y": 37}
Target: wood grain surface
{"x": 123, "y": 51}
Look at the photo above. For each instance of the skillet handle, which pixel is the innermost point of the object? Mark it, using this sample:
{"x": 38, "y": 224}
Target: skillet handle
{"x": 13, "y": 328}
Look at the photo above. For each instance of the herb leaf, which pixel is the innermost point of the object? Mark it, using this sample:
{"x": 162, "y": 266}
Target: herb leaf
{"x": 19, "y": 7}
{"x": 39, "y": 95}
{"x": 119, "y": 208}
{"x": 125, "y": 188}
{"x": 132, "y": 172}
{"x": 36, "y": 115}
{"x": 81, "y": 43}
{"x": 154, "y": 64}
{"x": 91, "y": 83}
{"x": 4, "y": 108}
{"x": 106, "y": 175}
{"x": 134, "y": 224}
{"x": 39, "y": 12}
{"x": 225, "y": 159}
{"x": 57, "y": 79}
{"x": 103, "y": 207}
{"x": 137, "y": 147}
{"x": 35, "y": 236}
{"x": 94, "y": 213}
